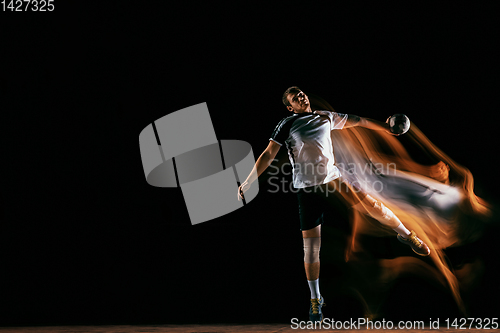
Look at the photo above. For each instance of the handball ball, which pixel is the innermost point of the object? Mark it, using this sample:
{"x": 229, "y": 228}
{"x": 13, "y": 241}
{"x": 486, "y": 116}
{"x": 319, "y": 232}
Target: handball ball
{"x": 399, "y": 124}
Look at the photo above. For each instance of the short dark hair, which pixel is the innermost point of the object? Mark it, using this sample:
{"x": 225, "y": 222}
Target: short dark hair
{"x": 291, "y": 90}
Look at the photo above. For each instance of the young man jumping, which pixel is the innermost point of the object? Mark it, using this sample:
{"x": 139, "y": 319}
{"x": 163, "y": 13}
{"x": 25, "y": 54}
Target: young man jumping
{"x": 318, "y": 181}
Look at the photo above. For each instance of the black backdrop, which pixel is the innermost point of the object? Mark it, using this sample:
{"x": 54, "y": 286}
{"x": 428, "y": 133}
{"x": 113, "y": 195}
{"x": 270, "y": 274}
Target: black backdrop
{"x": 86, "y": 240}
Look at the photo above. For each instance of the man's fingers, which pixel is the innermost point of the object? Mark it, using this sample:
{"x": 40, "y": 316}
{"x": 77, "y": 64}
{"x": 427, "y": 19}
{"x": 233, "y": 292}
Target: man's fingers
{"x": 240, "y": 193}
{"x": 243, "y": 187}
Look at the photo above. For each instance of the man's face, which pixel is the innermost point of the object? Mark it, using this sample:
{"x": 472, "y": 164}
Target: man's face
{"x": 299, "y": 102}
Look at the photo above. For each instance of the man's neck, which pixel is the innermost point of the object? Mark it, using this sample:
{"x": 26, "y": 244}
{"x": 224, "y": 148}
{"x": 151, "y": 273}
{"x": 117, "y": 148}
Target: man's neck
{"x": 308, "y": 110}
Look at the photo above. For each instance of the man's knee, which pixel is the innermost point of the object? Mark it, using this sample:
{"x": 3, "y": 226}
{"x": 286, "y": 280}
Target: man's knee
{"x": 312, "y": 246}
{"x": 380, "y": 210}
{"x": 381, "y": 213}
{"x": 375, "y": 208}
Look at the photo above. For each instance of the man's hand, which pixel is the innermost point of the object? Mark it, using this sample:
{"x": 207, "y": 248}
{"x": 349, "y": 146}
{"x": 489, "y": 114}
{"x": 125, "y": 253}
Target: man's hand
{"x": 242, "y": 189}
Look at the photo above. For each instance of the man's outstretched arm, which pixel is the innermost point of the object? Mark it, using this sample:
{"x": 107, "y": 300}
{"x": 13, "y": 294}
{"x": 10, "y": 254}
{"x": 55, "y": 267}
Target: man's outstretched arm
{"x": 265, "y": 159}
{"x": 372, "y": 124}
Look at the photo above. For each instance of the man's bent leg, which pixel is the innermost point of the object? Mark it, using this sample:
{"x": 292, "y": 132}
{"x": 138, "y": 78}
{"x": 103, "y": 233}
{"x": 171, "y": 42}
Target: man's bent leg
{"x": 366, "y": 204}
{"x": 384, "y": 215}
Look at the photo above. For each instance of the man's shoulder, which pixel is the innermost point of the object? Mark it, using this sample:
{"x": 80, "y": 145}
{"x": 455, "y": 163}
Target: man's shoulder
{"x": 284, "y": 126}
{"x": 287, "y": 119}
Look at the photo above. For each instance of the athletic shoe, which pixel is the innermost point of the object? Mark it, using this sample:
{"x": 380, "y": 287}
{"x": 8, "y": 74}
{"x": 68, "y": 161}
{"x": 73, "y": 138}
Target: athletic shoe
{"x": 417, "y": 245}
{"x": 315, "y": 313}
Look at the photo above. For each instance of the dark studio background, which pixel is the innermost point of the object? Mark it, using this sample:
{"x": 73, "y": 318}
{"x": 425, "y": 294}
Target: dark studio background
{"x": 86, "y": 240}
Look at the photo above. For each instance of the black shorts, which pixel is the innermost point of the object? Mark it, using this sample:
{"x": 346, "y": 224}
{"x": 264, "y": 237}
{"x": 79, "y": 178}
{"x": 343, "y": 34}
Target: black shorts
{"x": 315, "y": 201}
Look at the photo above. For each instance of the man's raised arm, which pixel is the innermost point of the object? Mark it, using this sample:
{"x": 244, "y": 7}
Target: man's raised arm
{"x": 265, "y": 159}
{"x": 353, "y": 120}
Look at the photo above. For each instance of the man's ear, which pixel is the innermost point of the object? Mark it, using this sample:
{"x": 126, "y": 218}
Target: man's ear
{"x": 289, "y": 108}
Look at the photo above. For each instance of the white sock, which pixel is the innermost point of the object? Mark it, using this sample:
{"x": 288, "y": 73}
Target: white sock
{"x": 314, "y": 286}
{"x": 401, "y": 229}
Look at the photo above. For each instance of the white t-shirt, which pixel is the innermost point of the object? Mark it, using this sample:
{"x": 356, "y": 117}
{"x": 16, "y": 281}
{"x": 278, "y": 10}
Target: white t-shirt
{"x": 307, "y": 138}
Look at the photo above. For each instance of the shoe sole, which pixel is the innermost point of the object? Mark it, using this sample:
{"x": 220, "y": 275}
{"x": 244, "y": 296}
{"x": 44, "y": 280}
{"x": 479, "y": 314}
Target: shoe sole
{"x": 422, "y": 255}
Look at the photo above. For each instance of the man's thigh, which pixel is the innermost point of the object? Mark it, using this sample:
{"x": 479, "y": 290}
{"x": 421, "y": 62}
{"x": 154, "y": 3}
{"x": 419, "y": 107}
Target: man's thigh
{"x": 341, "y": 189}
{"x": 311, "y": 207}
